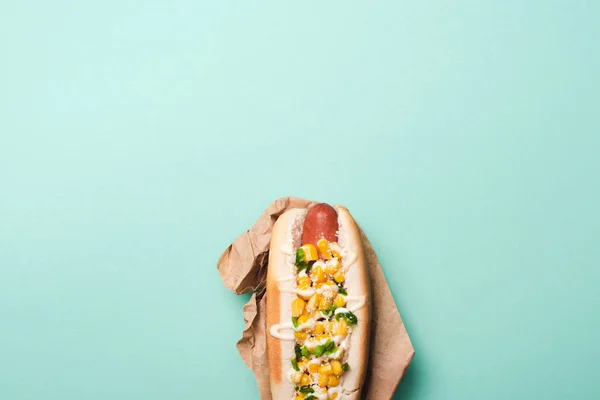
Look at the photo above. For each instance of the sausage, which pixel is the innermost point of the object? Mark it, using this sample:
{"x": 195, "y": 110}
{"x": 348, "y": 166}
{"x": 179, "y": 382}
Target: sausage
{"x": 321, "y": 222}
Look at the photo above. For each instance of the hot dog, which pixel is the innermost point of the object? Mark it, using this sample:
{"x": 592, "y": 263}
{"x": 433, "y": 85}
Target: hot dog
{"x": 318, "y": 306}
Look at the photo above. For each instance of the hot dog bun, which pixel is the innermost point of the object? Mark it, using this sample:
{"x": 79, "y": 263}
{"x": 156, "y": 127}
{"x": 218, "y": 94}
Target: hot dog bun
{"x": 349, "y": 345}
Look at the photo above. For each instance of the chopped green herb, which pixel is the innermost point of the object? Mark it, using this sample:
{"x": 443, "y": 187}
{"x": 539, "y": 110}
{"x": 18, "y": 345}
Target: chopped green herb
{"x": 341, "y": 289}
{"x": 301, "y": 260}
{"x": 305, "y": 352}
{"x": 311, "y": 397}
{"x": 295, "y": 364}
{"x": 300, "y": 256}
{"x": 329, "y": 311}
{"x": 295, "y": 322}
{"x": 322, "y": 348}
{"x": 305, "y": 389}
{"x": 298, "y": 350}
{"x": 349, "y": 317}
{"x": 319, "y": 350}
{"x": 345, "y": 367}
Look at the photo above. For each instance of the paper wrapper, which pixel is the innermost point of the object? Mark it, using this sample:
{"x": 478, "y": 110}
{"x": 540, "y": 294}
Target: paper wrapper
{"x": 243, "y": 269}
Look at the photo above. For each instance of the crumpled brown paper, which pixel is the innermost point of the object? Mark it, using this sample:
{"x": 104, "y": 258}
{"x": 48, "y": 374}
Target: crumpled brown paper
{"x": 243, "y": 268}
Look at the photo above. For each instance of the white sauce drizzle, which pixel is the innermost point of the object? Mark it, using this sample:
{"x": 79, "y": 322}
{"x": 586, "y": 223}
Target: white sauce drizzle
{"x": 302, "y": 293}
{"x": 290, "y": 374}
{"x": 340, "y": 310}
{"x": 311, "y": 344}
{"x": 336, "y": 354}
{"x": 275, "y": 331}
{"x": 307, "y": 325}
{"x": 362, "y": 301}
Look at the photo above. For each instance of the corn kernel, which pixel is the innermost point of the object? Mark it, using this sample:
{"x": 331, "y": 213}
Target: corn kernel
{"x": 332, "y": 266}
{"x": 333, "y": 381}
{"x": 336, "y": 366}
{"x": 318, "y": 285}
{"x": 301, "y": 335}
{"x": 323, "y": 336}
{"x": 301, "y": 365}
{"x": 300, "y": 397}
{"x": 297, "y": 377}
{"x": 313, "y": 367}
{"x": 317, "y": 275}
{"x": 303, "y": 319}
{"x": 339, "y": 277}
{"x": 342, "y": 327}
{"x": 304, "y": 282}
{"x": 340, "y": 301}
{"x": 323, "y": 380}
{"x": 325, "y": 369}
{"x": 335, "y": 250}
{"x": 316, "y": 315}
{"x": 323, "y": 246}
{"x": 324, "y": 303}
{"x": 305, "y": 380}
{"x": 297, "y": 307}
{"x": 319, "y": 328}
{"x": 310, "y": 252}
{"x": 313, "y": 302}
{"x": 333, "y": 396}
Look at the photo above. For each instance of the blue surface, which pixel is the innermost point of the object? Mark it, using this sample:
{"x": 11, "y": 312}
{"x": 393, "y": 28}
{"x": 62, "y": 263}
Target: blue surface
{"x": 138, "y": 139}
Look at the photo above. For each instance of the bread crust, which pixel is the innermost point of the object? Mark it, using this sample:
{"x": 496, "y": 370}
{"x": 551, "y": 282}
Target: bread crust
{"x": 357, "y": 279}
{"x": 285, "y": 239}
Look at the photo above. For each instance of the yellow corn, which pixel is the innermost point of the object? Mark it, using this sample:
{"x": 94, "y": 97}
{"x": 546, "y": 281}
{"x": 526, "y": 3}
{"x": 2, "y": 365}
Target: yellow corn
{"x": 302, "y": 319}
{"x": 301, "y": 335}
{"x": 305, "y": 380}
{"x": 333, "y": 381}
{"x": 297, "y": 307}
{"x": 324, "y": 303}
{"x": 310, "y": 252}
{"x": 339, "y": 276}
{"x": 313, "y": 367}
{"x": 340, "y": 301}
{"x": 317, "y": 274}
{"x": 300, "y": 397}
{"x": 336, "y": 367}
{"x": 319, "y": 328}
{"x": 304, "y": 282}
{"x": 323, "y": 246}
{"x": 342, "y": 327}
{"x": 335, "y": 250}
{"x": 322, "y": 336}
{"x": 297, "y": 377}
{"x": 332, "y": 266}
{"x": 301, "y": 365}
{"x": 316, "y": 315}
{"x": 325, "y": 369}
{"x": 323, "y": 380}
{"x": 313, "y": 302}
{"x": 318, "y": 285}
{"x": 333, "y": 396}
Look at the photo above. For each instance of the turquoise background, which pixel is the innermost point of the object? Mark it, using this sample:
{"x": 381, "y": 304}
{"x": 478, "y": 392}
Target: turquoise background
{"x": 138, "y": 139}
